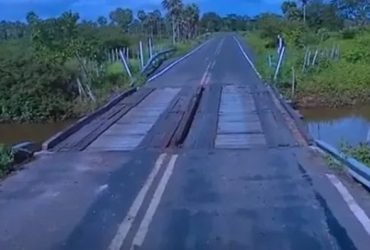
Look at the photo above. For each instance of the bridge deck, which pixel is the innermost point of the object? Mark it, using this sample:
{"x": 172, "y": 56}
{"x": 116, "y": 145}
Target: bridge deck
{"x": 202, "y": 157}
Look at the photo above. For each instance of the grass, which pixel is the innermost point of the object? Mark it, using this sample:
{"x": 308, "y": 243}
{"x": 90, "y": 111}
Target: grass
{"x": 333, "y": 164}
{"x": 341, "y": 82}
{"x": 6, "y": 160}
{"x": 360, "y": 152}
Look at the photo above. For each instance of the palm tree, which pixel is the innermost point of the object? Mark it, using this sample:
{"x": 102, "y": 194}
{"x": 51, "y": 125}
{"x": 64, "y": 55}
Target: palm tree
{"x": 174, "y": 8}
{"x": 158, "y": 21}
{"x": 191, "y": 19}
{"x": 304, "y": 5}
{"x": 142, "y": 16}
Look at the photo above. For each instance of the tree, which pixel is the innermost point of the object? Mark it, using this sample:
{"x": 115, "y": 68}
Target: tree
{"x": 190, "y": 20}
{"x": 291, "y": 11}
{"x": 271, "y": 25}
{"x": 174, "y": 9}
{"x": 122, "y": 18}
{"x": 31, "y": 17}
{"x": 304, "y": 5}
{"x": 102, "y": 21}
{"x": 142, "y": 16}
{"x": 356, "y": 11}
{"x": 323, "y": 15}
{"x": 157, "y": 15}
{"x": 211, "y": 22}
{"x": 58, "y": 38}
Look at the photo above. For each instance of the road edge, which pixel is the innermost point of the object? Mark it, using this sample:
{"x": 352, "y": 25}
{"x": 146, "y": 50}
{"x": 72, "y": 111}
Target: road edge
{"x": 292, "y": 115}
{"x": 177, "y": 61}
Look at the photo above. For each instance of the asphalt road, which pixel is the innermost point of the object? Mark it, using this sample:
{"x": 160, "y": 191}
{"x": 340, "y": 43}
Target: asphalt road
{"x": 242, "y": 179}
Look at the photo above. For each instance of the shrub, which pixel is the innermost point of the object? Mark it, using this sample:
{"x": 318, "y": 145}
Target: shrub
{"x": 6, "y": 159}
{"x": 361, "y": 152}
{"x": 349, "y": 33}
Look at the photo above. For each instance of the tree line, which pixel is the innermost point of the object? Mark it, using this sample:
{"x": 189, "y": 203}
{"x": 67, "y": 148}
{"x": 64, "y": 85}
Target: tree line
{"x": 304, "y": 21}
{"x": 180, "y": 21}
{"x": 44, "y": 62}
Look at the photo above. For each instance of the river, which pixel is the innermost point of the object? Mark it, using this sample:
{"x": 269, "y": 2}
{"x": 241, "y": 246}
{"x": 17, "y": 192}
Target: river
{"x": 12, "y": 133}
{"x": 334, "y": 126}
{"x": 330, "y": 125}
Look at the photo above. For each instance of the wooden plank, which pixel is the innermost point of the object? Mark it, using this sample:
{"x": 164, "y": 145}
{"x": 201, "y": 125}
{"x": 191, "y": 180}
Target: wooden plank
{"x": 64, "y": 134}
{"x": 105, "y": 124}
{"x": 163, "y": 130}
{"x": 204, "y": 127}
{"x": 240, "y": 140}
{"x": 187, "y": 119}
{"x": 128, "y": 129}
{"x": 161, "y": 136}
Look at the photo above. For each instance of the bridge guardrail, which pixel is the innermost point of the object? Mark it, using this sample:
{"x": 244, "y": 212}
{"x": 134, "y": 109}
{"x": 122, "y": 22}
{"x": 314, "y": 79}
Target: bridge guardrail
{"x": 356, "y": 169}
{"x": 156, "y": 60}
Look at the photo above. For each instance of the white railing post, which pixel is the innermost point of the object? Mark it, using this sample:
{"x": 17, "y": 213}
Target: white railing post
{"x": 141, "y": 54}
{"x": 123, "y": 59}
{"x": 281, "y": 56}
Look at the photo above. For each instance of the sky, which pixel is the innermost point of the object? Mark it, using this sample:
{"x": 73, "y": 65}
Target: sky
{"x": 91, "y": 9}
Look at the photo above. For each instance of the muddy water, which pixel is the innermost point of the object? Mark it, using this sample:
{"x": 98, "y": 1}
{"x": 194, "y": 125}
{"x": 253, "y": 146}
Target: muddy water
{"x": 37, "y": 132}
{"x": 330, "y": 125}
{"x": 336, "y": 125}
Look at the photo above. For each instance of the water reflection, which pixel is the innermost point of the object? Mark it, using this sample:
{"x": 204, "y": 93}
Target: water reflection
{"x": 37, "y": 132}
{"x": 336, "y": 125}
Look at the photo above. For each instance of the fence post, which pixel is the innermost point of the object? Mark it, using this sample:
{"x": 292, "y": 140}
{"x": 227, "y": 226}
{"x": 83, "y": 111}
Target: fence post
{"x": 125, "y": 64}
{"x": 141, "y": 54}
{"x": 315, "y": 57}
{"x": 269, "y": 61}
{"x": 280, "y": 44}
{"x": 128, "y": 55}
{"x": 338, "y": 52}
{"x": 308, "y": 63}
{"x": 332, "y": 52}
{"x": 138, "y": 56}
{"x": 293, "y": 82}
{"x": 305, "y": 60}
{"x": 150, "y": 47}
{"x": 281, "y": 56}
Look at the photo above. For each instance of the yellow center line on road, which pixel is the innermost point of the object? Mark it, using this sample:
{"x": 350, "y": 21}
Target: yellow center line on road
{"x": 154, "y": 203}
{"x": 127, "y": 222}
{"x": 206, "y": 78}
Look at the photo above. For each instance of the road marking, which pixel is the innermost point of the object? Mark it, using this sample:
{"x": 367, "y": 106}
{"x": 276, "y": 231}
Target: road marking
{"x": 126, "y": 224}
{"x": 145, "y": 223}
{"x": 219, "y": 47}
{"x": 247, "y": 57}
{"x": 205, "y": 78}
{"x": 178, "y": 61}
{"x": 101, "y": 188}
{"x": 351, "y": 202}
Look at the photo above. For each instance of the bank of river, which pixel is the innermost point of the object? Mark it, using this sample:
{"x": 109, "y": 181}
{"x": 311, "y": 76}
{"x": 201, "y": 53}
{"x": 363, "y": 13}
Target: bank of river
{"x": 11, "y": 133}
{"x": 337, "y": 125}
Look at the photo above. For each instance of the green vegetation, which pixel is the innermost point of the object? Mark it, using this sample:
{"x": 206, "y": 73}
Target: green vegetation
{"x": 339, "y": 26}
{"x": 57, "y": 68}
{"x": 333, "y": 164}
{"x": 360, "y": 152}
{"x": 63, "y": 67}
{"x": 6, "y": 159}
